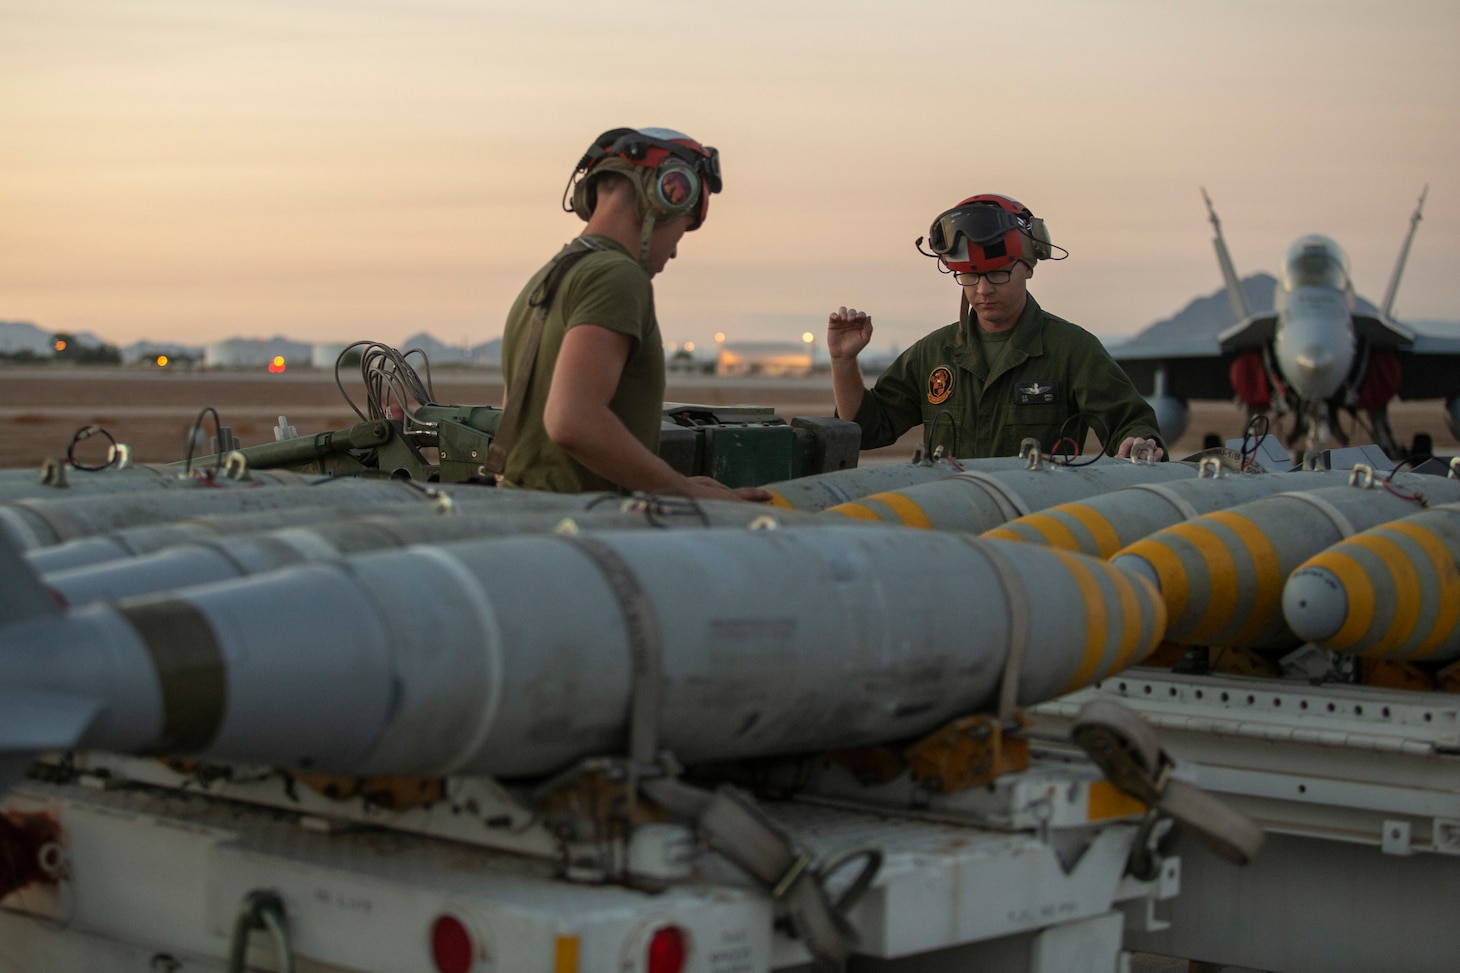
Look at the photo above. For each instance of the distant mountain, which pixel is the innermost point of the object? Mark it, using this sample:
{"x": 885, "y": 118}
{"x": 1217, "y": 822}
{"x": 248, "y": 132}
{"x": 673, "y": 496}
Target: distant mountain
{"x": 1204, "y": 317}
{"x": 25, "y": 336}
{"x": 1207, "y": 317}
{"x": 438, "y": 352}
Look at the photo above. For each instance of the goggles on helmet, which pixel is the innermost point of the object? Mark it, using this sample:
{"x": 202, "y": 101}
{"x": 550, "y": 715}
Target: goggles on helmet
{"x": 978, "y": 223}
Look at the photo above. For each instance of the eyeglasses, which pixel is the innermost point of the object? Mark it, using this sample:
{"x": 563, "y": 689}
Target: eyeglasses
{"x": 968, "y": 278}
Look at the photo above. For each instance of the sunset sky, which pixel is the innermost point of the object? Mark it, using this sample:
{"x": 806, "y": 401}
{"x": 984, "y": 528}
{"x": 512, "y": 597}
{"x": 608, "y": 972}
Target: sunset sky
{"x": 193, "y": 170}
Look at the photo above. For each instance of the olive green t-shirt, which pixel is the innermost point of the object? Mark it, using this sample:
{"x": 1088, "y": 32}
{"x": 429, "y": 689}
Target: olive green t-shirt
{"x": 995, "y": 344}
{"x": 608, "y": 289}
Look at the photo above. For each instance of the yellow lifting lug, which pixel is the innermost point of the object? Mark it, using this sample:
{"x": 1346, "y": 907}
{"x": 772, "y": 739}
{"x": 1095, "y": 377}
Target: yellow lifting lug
{"x": 398, "y": 793}
{"x": 395, "y": 793}
{"x": 598, "y": 794}
{"x": 1447, "y": 680}
{"x": 1164, "y": 656}
{"x": 1244, "y": 662}
{"x": 970, "y": 752}
{"x": 870, "y": 765}
{"x": 1393, "y": 674}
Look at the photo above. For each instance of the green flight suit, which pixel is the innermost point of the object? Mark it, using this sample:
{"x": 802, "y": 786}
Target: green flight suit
{"x": 1048, "y": 371}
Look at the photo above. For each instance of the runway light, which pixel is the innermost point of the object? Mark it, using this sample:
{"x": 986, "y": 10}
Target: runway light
{"x": 277, "y": 365}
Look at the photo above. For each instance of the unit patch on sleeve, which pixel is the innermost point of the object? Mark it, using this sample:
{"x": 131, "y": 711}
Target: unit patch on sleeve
{"x": 940, "y": 384}
{"x": 1036, "y": 393}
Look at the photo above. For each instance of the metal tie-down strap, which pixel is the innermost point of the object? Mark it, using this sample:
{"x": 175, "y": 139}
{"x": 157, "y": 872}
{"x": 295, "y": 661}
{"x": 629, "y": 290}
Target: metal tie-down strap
{"x": 507, "y": 421}
{"x": 727, "y": 819}
{"x": 1127, "y": 750}
{"x": 646, "y": 698}
{"x": 1016, "y": 602}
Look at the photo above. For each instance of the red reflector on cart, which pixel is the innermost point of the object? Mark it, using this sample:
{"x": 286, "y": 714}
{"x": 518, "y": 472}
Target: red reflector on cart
{"x": 451, "y": 947}
{"x": 666, "y": 950}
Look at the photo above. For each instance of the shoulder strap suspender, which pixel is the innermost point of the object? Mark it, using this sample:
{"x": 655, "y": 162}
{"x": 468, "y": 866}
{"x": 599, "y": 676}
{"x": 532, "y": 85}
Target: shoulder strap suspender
{"x": 541, "y": 301}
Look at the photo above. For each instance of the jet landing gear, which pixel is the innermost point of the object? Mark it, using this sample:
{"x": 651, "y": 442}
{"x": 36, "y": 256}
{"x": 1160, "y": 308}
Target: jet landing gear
{"x": 1315, "y": 420}
{"x": 1384, "y": 433}
{"x": 1319, "y": 421}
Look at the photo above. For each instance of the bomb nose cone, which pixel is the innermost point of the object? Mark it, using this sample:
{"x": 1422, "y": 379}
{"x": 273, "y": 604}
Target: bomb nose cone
{"x": 1135, "y": 564}
{"x": 1315, "y": 604}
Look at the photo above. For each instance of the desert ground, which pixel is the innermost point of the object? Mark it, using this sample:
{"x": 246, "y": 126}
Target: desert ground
{"x": 41, "y": 408}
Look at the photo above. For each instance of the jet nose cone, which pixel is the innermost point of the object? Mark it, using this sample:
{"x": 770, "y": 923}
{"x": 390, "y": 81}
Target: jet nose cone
{"x": 1315, "y": 362}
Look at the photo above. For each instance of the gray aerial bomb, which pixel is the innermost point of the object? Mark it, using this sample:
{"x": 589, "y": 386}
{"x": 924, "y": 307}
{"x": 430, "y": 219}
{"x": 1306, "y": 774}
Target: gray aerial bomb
{"x": 128, "y": 542}
{"x": 1102, "y": 525}
{"x": 823, "y": 490}
{"x": 978, "y": 500}
{"x": 31, "y": 524}
{"x": 1389, "y": 592}
{"x": 204, "y": 560}
{"x": 68, "y": 481}
{"x": 1222, "y": 574}
{"x": 516, "y": 657}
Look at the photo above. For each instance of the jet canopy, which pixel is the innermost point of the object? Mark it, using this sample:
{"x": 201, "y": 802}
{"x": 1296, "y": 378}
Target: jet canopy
{"x": 1315, "y": 261}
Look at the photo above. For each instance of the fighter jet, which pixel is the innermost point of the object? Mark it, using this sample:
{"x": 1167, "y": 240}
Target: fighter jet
{"x": 1313, "y": 356}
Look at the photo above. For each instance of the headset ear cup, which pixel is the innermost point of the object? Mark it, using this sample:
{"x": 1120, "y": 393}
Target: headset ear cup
{"x": 584, "y": 197}
{"x": 1039, "y": 235}
{"x": 674, "y": 190}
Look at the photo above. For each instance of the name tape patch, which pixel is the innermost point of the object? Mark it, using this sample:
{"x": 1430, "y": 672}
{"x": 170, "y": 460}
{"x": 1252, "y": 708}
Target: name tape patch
{"x": 1036, "y": 393}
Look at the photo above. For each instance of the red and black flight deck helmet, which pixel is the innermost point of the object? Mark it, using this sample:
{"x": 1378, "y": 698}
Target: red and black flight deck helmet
{"x": 674, "y": 173}
{"x": 988, "y": 232}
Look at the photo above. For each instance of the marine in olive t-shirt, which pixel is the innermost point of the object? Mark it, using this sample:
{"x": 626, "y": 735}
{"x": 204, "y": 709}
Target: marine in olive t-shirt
{"x": 609, "y": 289}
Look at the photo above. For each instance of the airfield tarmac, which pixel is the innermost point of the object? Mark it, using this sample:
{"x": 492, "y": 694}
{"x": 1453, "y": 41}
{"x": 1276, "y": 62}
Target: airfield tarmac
{"x": 151, "y": 411}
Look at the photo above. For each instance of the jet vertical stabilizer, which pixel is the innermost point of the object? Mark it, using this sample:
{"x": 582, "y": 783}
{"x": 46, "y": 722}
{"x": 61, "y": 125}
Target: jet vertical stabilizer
{"x": 1229, "y": 274}
{"x": 1387, "y": 307}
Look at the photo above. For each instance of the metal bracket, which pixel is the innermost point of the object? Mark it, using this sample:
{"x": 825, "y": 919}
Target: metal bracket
{"x": 260, "y": 910}
{"x": 1396, "y": 837}
{"x": 970, "y": 752}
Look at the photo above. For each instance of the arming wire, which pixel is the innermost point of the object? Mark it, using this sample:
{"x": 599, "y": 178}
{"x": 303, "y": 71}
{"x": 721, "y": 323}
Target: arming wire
{"x": 1090, "y": 419}
{"x": 1244, "y": 460}
{"x": 1388, "y": 477}
{"x": 113, "y": 456}
{"x": 196, "y": 428}
{"x": 931, "y": 429}
{"x": 388, "y": 377}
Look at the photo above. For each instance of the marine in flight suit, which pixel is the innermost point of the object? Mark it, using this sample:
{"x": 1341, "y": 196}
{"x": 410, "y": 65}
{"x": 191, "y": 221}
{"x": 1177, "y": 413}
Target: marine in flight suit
{"x": 1007, "y": 370}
